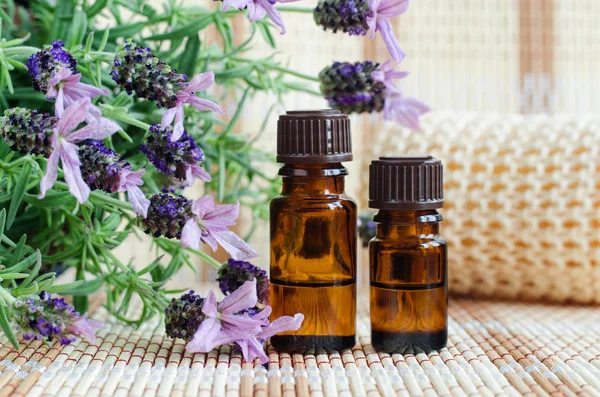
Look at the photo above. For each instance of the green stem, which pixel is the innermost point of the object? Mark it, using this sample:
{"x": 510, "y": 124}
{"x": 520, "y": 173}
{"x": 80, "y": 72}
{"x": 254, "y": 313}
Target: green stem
{"x": 303, "y": 10}
{"x": 207, "y": 258}
{"x": 7, "y": 296}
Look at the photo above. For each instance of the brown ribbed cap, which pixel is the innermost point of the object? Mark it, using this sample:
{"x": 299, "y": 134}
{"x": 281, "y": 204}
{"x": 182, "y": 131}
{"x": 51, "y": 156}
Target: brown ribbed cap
{"x": 406, "y": 183}
{"x": 313, "y": 137}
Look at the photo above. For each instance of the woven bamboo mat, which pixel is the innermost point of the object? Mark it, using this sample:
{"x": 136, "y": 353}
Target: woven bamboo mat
{"x": 495, "y": 349}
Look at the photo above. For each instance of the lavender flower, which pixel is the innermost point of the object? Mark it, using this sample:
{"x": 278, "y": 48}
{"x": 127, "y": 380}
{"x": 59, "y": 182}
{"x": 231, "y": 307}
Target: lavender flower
{"x": 350, "y": 16}
{"x": 45, "y": 318}
{"x": 257, "y": 9}
{"x": 63, "y": 142}
{"x": 177, "y": 158}
{"x": 210, "y": 224}
{"x": 166, "y": 216}
{"x": 104, "y": 169}
{"x": 55, "y": 73}
{"x": 196, "y": 221}
{"x": 369, "y": 87}
{"x": 137, "y": 70}
{"x": 28, "y": 131}
{"x": 43, "y": 64}
{"x": 183, "y": 316}
{"x": 233, "y": 274}
{"x": 355, "y": 17}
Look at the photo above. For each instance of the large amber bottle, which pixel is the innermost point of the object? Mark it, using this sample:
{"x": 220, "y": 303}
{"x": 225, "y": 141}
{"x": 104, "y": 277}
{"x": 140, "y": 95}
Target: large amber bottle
{"x": 407, "y": 256}
{"x": 313, "y": 233}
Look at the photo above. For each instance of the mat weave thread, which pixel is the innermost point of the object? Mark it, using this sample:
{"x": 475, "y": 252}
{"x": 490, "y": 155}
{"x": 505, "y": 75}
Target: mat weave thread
{"x": 494, "y": 349}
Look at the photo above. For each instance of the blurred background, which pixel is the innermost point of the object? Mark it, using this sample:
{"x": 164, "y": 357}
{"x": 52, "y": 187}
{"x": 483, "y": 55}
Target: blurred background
{"x": 513, "y": 85}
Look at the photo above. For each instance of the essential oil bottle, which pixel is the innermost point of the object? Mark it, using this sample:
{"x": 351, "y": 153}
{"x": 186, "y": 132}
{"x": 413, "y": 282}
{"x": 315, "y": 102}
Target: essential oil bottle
{"x": 314, "y": 233}
{"x": 407, "y": 256}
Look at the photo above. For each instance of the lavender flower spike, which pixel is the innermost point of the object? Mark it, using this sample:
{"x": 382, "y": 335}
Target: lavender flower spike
{"x": 378, "y": 21}
{"x": 63, "y": 140}
{"x": 199, "y": 83}
{"x": 369, "y": 87}
{"x": 28, "y": 131}
{"x": 224, "y": 323}
{"x": 257, "y": 9}
{"x": 55, "y": 73}
{"x": 104, "y": 169}
{"x": 234, "y": 274}
{"x": 179, "y": 158}
{"x": 210, "y": 223}
{"x": 45, "y": 318}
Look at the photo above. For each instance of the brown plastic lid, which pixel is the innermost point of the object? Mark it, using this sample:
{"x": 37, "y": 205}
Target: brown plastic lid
{"x": 406, "y": 183}
{"x": 313, "y": 137}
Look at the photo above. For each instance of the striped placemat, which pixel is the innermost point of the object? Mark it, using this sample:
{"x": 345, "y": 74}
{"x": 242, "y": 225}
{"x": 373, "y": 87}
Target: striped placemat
{"x": 494, "y": 349}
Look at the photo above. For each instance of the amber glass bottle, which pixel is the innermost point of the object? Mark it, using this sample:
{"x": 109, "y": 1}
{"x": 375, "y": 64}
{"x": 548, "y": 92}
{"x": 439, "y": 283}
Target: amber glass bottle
{"x": 407, "y": 256}
{"x": 313, "y": 233}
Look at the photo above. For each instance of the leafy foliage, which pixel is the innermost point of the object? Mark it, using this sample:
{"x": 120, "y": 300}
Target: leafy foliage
{"x": 61, "y": 232}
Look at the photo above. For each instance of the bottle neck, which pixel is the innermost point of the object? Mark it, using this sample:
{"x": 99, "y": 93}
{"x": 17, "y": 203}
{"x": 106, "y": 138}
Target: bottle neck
{"x": 313, "y": 178}
{"x": 407, "y": 223}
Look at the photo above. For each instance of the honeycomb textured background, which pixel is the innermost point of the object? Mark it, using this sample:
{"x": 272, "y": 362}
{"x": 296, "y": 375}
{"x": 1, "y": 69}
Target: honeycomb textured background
{"x": 522, "y": 201}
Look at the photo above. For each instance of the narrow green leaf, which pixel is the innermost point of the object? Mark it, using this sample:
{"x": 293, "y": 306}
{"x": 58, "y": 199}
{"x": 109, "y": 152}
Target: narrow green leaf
{"x": 233, "y": 73}
{"x": 87, "y": 287}
{"x": 7, "y": 328}
{"x": 78, "y": 28}
{"x": 96, "y": 8}
{"x": 189, "y": 58}
{"x": 22, "y": 265}
{"x": 18, "y": 194}
{"x": 59, "y": 199}
{"x": 150, "y": 267}
{"x": 188, "y": 30}
{"x": 62, "y": 288}
{"x": 265, "y": 32}
{"x": 35, "y": 271}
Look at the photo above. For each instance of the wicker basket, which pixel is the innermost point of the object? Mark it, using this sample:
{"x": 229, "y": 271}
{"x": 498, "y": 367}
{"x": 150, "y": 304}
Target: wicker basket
{"x": 522, "y": 213}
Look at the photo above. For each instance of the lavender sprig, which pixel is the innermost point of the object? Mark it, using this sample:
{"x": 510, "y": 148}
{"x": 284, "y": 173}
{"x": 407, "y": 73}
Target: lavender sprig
{"x": 28, "y": 131}
{"x": 43, "y": 64}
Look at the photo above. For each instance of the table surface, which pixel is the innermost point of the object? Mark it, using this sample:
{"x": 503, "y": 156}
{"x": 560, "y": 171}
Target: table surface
{"x": 494, "y": 349}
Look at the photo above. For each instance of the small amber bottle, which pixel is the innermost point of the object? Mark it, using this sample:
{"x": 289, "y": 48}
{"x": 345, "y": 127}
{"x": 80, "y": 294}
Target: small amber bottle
{"x": 407, "y": 256}
{"x": 314, "y": 233}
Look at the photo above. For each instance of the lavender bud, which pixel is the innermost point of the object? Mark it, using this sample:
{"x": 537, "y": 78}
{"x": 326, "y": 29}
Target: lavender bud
{"x": 349, "y": 16}
{"x": 166, "y": 216}
{"x": 234, "y": 273}
{"x": 27, "y": 131}
{"x": 44, "y": 63}
{"x": 137, "y": 70}
{"x": 184, "y": 315}
{"x": 43, "y": 317}
{"x": 351, "y": 88}
{"x": 171, "y": 158}
{"x": 101, "y": 167}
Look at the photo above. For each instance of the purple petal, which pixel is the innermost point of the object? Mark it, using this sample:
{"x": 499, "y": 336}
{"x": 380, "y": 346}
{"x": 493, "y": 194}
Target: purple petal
{"x": 282, "y": 324}
{"x": 71, "y": 169}
{"x": 205, "y": 339}
{"x": 49, "y": 178}
{"x": 178, "y": 128}
{"x": 77, "y": 90}
{"x": 191, "y": 234}
{"x": 202, "y": 104}
{"x": 211, "y": 241}
{"x": 168, "y": 117}
{"x": 100, "y": 129}
{"x": 209, "y": 307}
{"x": 273, "y": 14}
{"x": 239, "y": 4}
{"x": 234, "y": 245}
{"x": 386, "y": 30}
{"x": 203, "y": 205}
{"x": 195, "y": 171}
{"x": 201, "y": 82}
{"x": 253, "y": 349}
{"x": 392, "y": 8}
{"x": 84, "y": 328}
{"x": 241, "y": 299}
{"x": 73, "y": 116}
{"x": 59, "y": 105}
{"x": 138, "y": 200}
{"x": 256, "y": 10}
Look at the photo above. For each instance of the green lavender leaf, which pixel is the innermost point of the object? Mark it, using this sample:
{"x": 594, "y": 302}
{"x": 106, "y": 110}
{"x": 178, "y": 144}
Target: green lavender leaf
{"x": 6, "y": 327}
{"x": 18, "y": 194}
{"x": 188, "y": 30}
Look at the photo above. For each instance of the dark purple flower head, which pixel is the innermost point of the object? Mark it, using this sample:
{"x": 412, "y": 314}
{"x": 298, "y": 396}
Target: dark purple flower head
{"x": 351, "y": 88}
{"x": 137, "y": 70}
{"x": 166, "y": 216}
{"x": 46, "y": 318}
{"x": 179, "y": 159}
{"x": 28, "y": 131}
{"x": 233, "y": 274}
{"x": 349, "y": 16}
{"x": 101, "y": 167}
{"x": 184, "y": 315}
{"x": 43, "y": 64}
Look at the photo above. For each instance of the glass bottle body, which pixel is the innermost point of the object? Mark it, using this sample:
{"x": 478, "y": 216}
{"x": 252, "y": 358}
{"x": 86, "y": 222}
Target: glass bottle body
{"x": 313, "y": 258}
{"x": 408, "y": 274}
